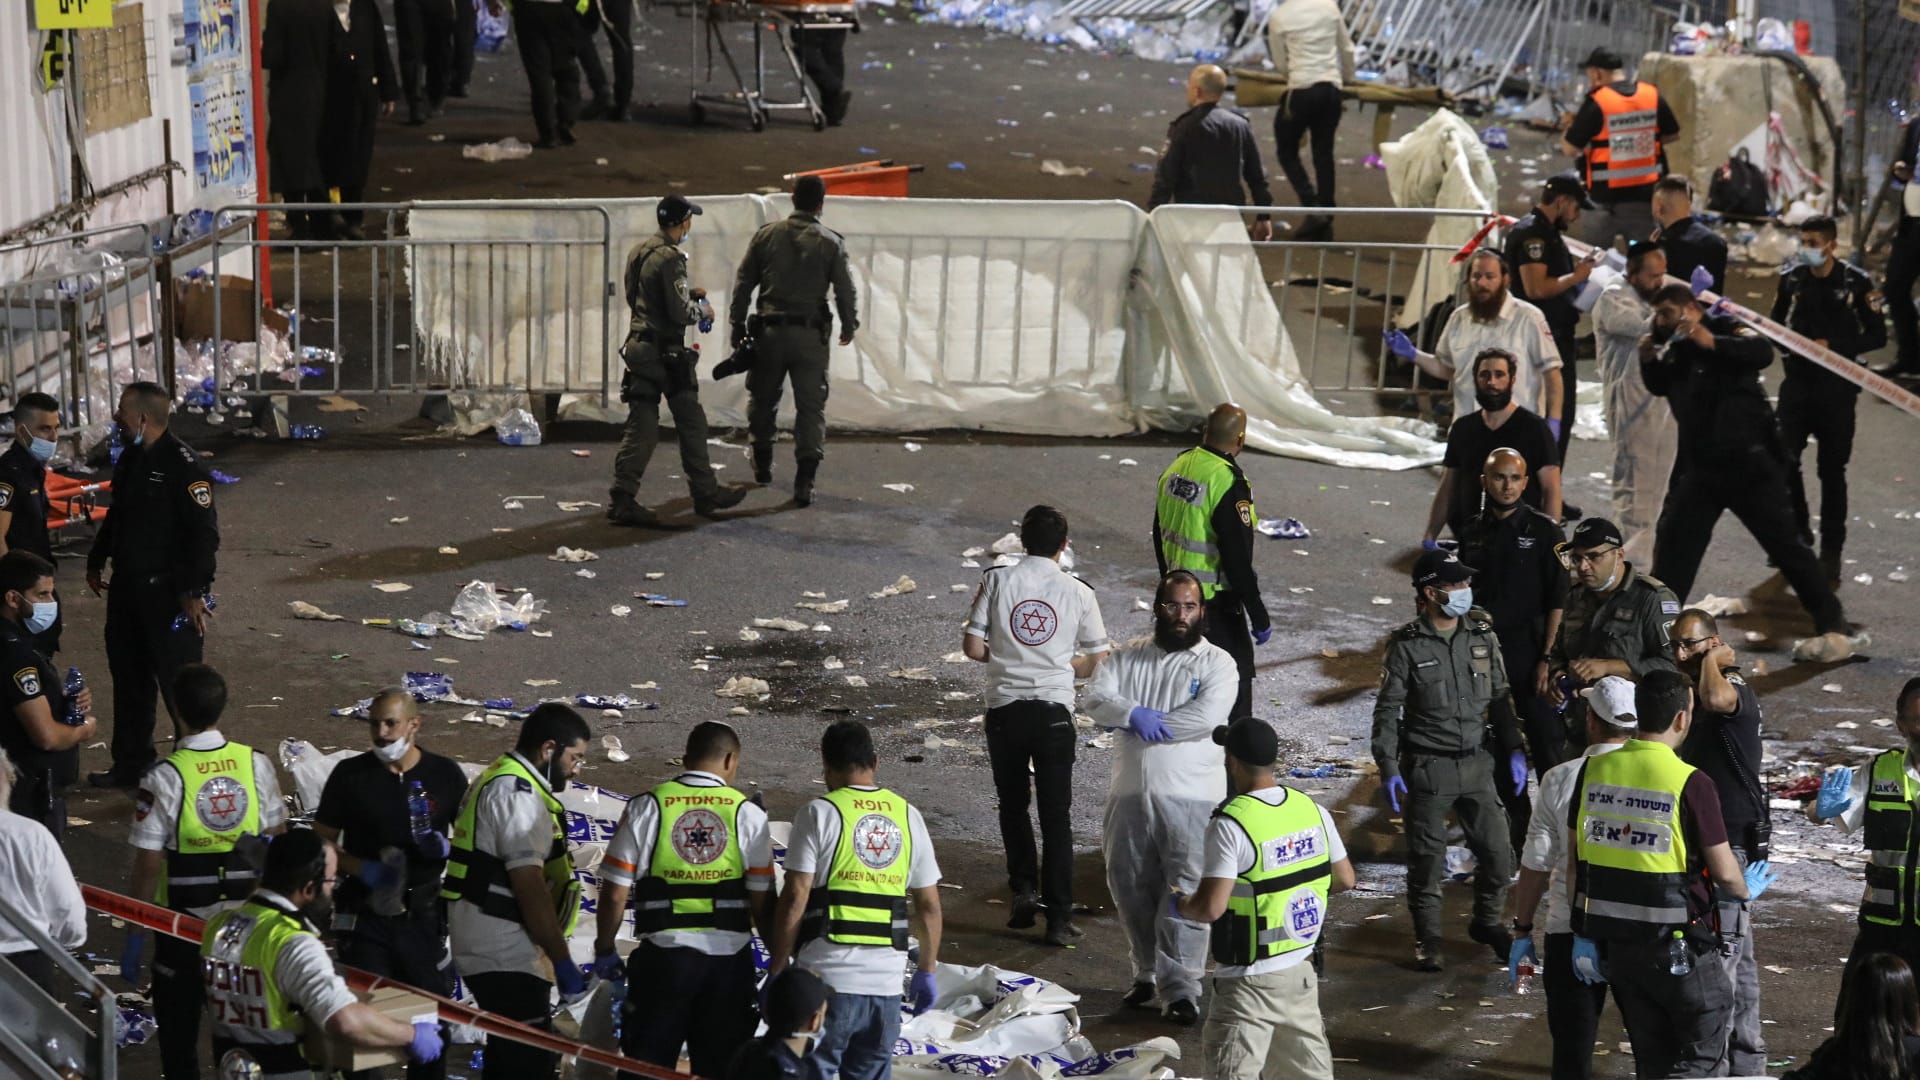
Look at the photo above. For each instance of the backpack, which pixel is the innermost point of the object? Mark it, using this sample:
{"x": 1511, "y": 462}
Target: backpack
{"x": 1739, "y": 188}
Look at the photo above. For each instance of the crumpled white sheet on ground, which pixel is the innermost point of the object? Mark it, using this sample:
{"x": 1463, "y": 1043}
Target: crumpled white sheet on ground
{"x": 1442, "y": 164}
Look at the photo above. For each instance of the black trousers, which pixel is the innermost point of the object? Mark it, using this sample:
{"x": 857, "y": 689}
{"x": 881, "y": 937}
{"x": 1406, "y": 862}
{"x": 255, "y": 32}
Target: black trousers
{"x": 1227, "y": 627}
{"x": 823, "y": 53}
{"x": 516, "y": 995}
{"x": 301, "y": 225}
{"x": 549, "y": 36}
{"x": 1903, "y": 270}
{"x": 1567, "y": 344}
{"x": 1756, "y": 491}
{"x": 144, "y": 653}
{"x": 1809, "y": 410}
{"x": 412, "y": 949}
{"x": 1677, "y": 1024}
{"x": 179, "y": 998}
{"x": 1313, "y": 111}
{"x": 1573, "y": 1012}
{"x": 1037, "y": 735}
{"x": 677, "y": 996}
{"x": 37, "y": 967}
{"x": 425, "y": 30}
{"x": 39, "y": 795}
{"x": 1544, "y": 738}
{"x": 616, "y": 18}
{"x": 466, "y": 31}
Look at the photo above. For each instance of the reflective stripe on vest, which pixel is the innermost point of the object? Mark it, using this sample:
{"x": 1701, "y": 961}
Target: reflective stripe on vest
{"x": 697, "y": 876}
{"x": 1279, "y": 905}
{"x": 219, "y": 803}
{"x": 480, "y": 877}
{"x": 1190, "y": 491}
{"x": 239, "y": 954}
{"x": 1888, "y": 829}
{"x": 863, "y": 900}
{"x": 1630, "y": 132}
{"x": 1633, "y": 874}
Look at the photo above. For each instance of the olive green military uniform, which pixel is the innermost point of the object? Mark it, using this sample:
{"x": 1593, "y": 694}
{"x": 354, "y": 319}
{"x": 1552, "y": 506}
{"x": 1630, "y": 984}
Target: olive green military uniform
{"x": 1630, "y": 624}
{"x": 792, "y": 263}
{"x": 660, "y": 365}
{"x": 1437, "y": 696}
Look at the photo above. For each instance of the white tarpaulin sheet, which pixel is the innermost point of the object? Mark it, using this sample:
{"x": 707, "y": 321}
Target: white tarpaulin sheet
{"x": 1442, "y": 165}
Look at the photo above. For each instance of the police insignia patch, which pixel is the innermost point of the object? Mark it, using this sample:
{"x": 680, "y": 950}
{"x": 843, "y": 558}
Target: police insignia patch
{"x": 6, "y": 496}
{"x": 1877, "y": 302}
{"x": 202, "y": 493}
{"x": 1536, "y": 249}
{"x": 28, "y": 680}
{"x": 1246, "y": 513}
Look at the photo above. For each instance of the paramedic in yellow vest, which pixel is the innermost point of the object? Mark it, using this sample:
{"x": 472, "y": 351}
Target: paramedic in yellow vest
{"x": 268, "y": 976}
{"x": 858, "y": 860}
{"x": 1619, "y": 134}
{"x": 190, "y": 813}
{"x": 1203, "y": 519}
{"x": 1272, "y": 860}
{"x": 1651, "y": 865}
{"x": 1882, "y": 797}
{"x": 696, "y": 858}
{"x": 512, "y": 897}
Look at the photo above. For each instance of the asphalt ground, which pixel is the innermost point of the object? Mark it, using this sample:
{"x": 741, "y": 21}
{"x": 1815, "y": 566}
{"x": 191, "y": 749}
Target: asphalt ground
{"x": 378, "y": 500}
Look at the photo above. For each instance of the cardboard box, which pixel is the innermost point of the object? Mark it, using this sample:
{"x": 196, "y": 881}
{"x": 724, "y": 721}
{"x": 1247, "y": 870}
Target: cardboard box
{"x": 327, "y": 1052}
{"x": 193, "y": 310}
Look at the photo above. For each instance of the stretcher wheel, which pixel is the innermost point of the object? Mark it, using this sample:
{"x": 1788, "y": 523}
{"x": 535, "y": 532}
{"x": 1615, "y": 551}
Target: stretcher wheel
{"x": 757, "y": 120}
{"x": 819, "y": 121}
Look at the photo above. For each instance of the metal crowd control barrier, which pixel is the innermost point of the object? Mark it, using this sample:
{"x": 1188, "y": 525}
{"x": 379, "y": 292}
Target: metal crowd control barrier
{"x": 40, "y": 1037}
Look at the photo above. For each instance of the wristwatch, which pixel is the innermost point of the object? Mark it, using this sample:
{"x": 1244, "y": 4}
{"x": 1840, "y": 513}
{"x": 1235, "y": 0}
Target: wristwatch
{"x": 1521, "y": 929}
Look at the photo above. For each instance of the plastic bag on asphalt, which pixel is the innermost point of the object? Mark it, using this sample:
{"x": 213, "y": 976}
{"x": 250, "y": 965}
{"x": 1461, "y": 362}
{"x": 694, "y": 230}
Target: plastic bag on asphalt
{"x": 518, "y": 428}
{"x": 479, "y": 608}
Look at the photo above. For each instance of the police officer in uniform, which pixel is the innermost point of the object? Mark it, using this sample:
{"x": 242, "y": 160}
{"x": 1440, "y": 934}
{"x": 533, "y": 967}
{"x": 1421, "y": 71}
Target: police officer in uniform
{"x": 161, "y": 535}
{"x": 695, "y": 856}
{"x": 659, "y": 364}
{"x": 34, "y": 728}
{"x": 1617, "y": 622}
{"x": 1546, "y": 276}
{"x": 193, "y": 812}
{"x": 1442, "y": 684}
{"x": 1619, "y": 134}
{"x": 1695, "y": 253}
{"x": 268, "y": 975}
{"x": 1273, "y": 857}
{"x": 791, "y": 264}
{"x": 23, "y": 489}
{"x": 511, "y": 888}
{"x": 1835, "y": 304}
{"x": 1203, "y": 519}
{"x": 391, "y": 919}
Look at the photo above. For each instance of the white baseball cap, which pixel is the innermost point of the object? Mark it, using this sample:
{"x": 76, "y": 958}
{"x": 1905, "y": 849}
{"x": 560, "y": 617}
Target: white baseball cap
{"x": 1612, "y": 699}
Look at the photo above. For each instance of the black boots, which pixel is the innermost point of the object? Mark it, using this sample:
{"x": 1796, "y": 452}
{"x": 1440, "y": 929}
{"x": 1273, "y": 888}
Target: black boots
{"x": 625, "y": 511}
{"x": 803, "y": 480}
{"x": 723, "y": 499}
{"x": 763, "y": 465}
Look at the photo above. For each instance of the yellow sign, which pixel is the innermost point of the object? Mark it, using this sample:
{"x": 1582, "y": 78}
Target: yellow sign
{"x": 72, "y": 14}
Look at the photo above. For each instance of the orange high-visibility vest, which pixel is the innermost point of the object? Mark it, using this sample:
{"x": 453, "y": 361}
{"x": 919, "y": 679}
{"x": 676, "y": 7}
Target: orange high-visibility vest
{"x": 1627, "y": 151}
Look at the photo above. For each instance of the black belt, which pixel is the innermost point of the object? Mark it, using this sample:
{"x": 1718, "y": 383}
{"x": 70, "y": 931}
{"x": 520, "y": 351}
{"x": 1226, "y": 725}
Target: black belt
{"x": 656, "y": 337}
{"x": 811, "y": 322}
{"x": 1459, "y": 755}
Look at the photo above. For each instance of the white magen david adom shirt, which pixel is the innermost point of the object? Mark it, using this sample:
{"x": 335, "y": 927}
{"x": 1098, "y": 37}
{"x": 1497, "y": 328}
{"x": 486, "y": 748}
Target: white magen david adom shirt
{"x": 1034, "y": 616}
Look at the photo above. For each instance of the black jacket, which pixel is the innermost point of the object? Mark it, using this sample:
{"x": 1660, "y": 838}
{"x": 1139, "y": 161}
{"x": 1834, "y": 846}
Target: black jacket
{"x": 1692, "y": 243}
{"x": 162, "y": 522}
{"x": 1210, "y": 153}
{"x": 1717, "y": 400}
{"x": 1841, "y": 308}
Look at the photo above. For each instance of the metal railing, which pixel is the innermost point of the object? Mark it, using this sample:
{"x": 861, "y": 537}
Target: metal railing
{"x": 40, "y": 1037}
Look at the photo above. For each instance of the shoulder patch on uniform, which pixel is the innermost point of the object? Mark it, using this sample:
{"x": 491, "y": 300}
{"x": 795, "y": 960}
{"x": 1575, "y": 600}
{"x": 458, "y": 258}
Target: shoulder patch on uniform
{"x": 187, "y": 454}
{"x": 202, "y": 493}
{"x": 1650, "y": 580}
{"x": 6, "y": 495}
{"x": 1408, "y": 631}
{"x": 1735, "y": 678}
{"x": 1536, "y": 249}
{"x": 1245, "y": 510}
{"x": 521, "y": 783}
{"x": 1669, "y": 607}
{"x": 28, "y": 680}
{"x": 142, "y": 804}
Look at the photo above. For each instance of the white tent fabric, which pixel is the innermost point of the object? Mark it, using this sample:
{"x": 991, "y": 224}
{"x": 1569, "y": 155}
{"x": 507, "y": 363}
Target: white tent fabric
{"x": 1441, "y": 164}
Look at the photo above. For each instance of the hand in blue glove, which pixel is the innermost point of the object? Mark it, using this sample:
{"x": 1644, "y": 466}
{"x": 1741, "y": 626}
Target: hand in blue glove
{"x": 1586, "y": 961}
{"x": 427, "y": 1043}
{"x": 1396, "y": 790}
{"x": 1149, "y": 724}
{"x": 1701, "y": 280}
{"x": 1261, "y": 637}
{"x": 925, "y": 989}
{"x": 434, "y": 847}
{"x": 1759, "y": 875}
{"x": 1553, "y": 425}
{"x": 375, "y": 874}
{"x": 1721, "y": 309}
{"x": 1430, "y": 545}
{"x": 1399, "y": 344}
{"x": 570, "y": 979}
{"x": 1521, "y": 952}
{"x": 131, "y": 956}
{"x": 1836, "y": 793}
{"x": 609, "y": 966}
{"x": 1517, "y": 765}
{"x": 1173, "y": 905}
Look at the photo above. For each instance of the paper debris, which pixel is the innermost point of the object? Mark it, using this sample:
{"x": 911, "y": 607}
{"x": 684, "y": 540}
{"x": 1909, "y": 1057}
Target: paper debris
{"x": 1829, "y": 648}
{"x": 1381, "y": 601}
{"x": 914, "y": 674}
{"x": 749, "y": 635}
{"x": 832, "y": 663}
{"x": 901, "y": 488}
{"x": 824, "y": 607}
{"x": 973, "y": 553}
{"x": 743, "y": 686}
{"x": 820, "y": 628}
{"x": 570, "y": 555}
{"x": 954, "y": 658}
{"x": 904, "y": 585}
{"x": 513, "y": 504}
{"x": 392, "y": 586}
{"x": 540, "y": 682}
{"x": 303, "y": 610}
{"x": 911, "y": 447}
{"x": 1844, "y": 725}
{"x": 620, "y": 611}
{"x": 574, "y": 506}
{"x": 398, "y": 520}
{"x": 583, "y": 572}
{"x": 956, "y": 588}
{"x": 449, "y": 549}
{"x": 1897, "y": 575}
{"x": 858, "y": 682}
{"x": 614, "y": 752}
{"x": 1863, "y": 579}
{"x": 789, "y": 625}
{"x": 738, "y": 710}
{"x": 1009, "y": 545}
{"x": 655, "y": 575}
{"x": 1127, "y": 461}
{"x": 1720, "y": 606}
{"x": 1834, "y": 688}
{"x": 970, "y": 564}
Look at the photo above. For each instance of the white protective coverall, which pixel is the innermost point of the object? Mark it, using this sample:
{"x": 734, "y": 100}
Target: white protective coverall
{"x": 1645, "y": 436}
{"x": 1160, "y": 798}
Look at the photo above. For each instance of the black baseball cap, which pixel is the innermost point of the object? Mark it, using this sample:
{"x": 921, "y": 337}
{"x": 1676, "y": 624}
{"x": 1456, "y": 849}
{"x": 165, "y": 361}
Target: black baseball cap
{"x": 1603, "y": 58}
{"x": 674, "y": 209}
{"x": 1440, "y": 568}
{"x": 792, "y": 998}
{"x": 1250, "y": 740}
{"x": 1595, "y": 532}
{"x": 1567, "y": 184}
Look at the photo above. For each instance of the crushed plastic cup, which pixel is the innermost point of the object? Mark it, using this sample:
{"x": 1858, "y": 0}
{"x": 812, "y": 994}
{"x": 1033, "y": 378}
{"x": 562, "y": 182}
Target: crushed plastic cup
{"x": 615, "y": 754}
{"x": 518, "y": 428}
{"x": 1283, "y": 529}
{"x": 133, "y": 1027}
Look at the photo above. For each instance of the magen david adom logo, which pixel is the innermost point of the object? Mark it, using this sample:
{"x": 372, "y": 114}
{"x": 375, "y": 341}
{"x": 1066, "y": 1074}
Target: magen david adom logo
{"x": 221, "y": 804}
{"x": 876, "y": 841}
{"x": 699, "y": 836}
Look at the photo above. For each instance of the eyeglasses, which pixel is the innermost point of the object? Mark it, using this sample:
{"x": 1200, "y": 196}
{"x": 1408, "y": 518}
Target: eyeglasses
{"x": 1173, "y": 608}
{"x": 1588, "y": 558}
{"x": 1688, "y": 644}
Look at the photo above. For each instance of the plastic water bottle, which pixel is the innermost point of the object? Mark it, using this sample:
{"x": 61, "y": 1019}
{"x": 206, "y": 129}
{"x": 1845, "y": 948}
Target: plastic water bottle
{"x": 75, "y": 683}
{"x": 419, "y": 810}
{"x": 181, "y": 622}
{"x": 706, "y": 316}
{"x": 114, "y": 445}
{"x": 1524, "y": 983}
{"x": 1679, "y": 957}
{"x": 306, "y": 431}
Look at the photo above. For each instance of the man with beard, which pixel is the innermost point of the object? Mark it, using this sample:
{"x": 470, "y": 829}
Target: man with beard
{"x": 1724, "y": 743}
{"x": 1708, "y": 369}
{"x": 510, "y": 885}
{"x": 1493, "y": 318}
{"x": 1524, "y": 590}
{"x": 1546, "y": 275}
{"x": 193, "y": 810}
{"x": 392, "y": 921}
{"x": 1642, "y": 426}
{"x": 23, "y": 491}
{"x": 269, "y": 976}
{"x": 1442, "y": 682}
{"x": 1163, "y": 698}
{"x": 1619, "y": 136}
{"x": 1616, "y": 623}
{"x": 1500, "y": 422}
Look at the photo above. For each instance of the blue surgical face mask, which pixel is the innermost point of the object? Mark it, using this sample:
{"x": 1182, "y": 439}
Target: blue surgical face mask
{"x": 41, "y": 449}
{"x": 43, "y": 616}
{"x": 1812, "y": 256}
{"x": 1459, "y": 602}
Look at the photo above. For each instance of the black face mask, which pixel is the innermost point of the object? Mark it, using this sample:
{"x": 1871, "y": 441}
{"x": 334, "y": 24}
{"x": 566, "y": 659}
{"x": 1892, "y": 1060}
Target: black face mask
{"x": 1660, "y": 335}
{"x": 319, "y": 912}
{"x": 1494, "y": 400}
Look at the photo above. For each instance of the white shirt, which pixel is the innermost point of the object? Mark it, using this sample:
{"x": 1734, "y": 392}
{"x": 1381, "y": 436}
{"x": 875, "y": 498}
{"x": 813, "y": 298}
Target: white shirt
{"x": 157, "y": 805}
{"x": 1856, "y": 810}
{"x": 36, "y": 880}
{"x": 630, "y": 853}
{"x": 516, "y": 827}
{"x": 1230, "y": 853}
{"x": 1034, "y": 616}
{"x": 1520, "y": 329}
{"x": 1196, "y": 688}
{"x": 1620, "y": 320}
{"x": 302, "y": 972}
{"x": 1547, "y": 847}
{"x": 1309, "y": 42}
{"x": 854, "y": 969}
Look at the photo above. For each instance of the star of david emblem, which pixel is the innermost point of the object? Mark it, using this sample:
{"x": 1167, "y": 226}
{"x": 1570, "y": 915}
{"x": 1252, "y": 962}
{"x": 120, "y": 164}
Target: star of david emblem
{"x": 699, "y": 836}
{"x": 221, "y": 804}
{"x": 1033, "y": 622}
{"x": 876, "y": 841}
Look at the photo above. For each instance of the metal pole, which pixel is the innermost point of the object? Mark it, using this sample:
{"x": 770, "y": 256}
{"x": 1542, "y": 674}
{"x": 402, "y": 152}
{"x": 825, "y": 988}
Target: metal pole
{"x": 167, "y": 358}
{"x": 1858, "y": 181}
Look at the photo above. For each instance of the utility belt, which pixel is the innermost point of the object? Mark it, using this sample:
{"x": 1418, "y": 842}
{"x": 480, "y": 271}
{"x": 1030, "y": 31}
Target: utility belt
{"x": 811, "y": 322}
{"x": 1444, "y": 755}
{"x": 418, "y": 903}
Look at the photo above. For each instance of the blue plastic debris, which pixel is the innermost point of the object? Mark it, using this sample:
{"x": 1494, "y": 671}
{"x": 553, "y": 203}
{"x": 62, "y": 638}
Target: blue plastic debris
{"x": 222, "y": 478}
{"x": 659, "y": 600}
{"x": 1495, "y": 138}
{"x": 1283, "y": 529}
{"x": 430, "y": 686}
{"x": 1319, "y": 773}
{"x": 957, "y": 166}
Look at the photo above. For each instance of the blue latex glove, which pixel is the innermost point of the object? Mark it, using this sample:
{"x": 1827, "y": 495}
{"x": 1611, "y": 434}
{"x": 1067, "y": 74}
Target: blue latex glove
{"x": 1522, "y": 950}
{"x": 1553, "y": 425}
{"x": 1759, "y": 876}
{"x": 925, "y": 988}
{"x": 1836, "y": 793}
{"x": 609, "y": 966}
{"x": 1517, "y": 765}
{"x": 1701, "y": 280}
{"x": 1586, "y": 961}
{"x": 1396, "y": 790}
{"x": 427, "y": 1043}
{"x": 1399, "y": 344}
{"x": 375, "y": 874}
{"x": 1260, "y": 637}
{"x": 131, "y": 956}
{"x": 435, "y": 847}
{"x": 1149, "y": 724}
{"x": 570, "y": 979}
{"x": 1429, "y": 545}
{"x": 1173, "y": 905}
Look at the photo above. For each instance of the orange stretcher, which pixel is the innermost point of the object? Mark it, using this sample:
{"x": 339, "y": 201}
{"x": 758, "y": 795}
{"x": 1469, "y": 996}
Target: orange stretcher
{"x": 70, "y": 500}
{"x": 879, "y": 178}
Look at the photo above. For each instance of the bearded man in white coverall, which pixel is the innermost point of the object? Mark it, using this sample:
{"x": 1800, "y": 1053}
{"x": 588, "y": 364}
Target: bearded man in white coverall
{"x": 1645, "y": 436}
{"x": 1163, "y": 697}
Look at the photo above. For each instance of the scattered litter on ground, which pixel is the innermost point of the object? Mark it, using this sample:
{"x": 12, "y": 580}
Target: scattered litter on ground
{"x": 655, "y": 575}
{"x": 1283, "y": 529}
{"x": 744, "y": 686}
{"x": 540, "y": 682}
{"x": 901, "y": 488}
{"x": 398, "y": 520}
{"x": 504, "y": 150}
{"x": 1127, "y": 461}
{"x": 1722, "y": 606}
{"x": 449, "y": 549}
{"x": 659, "y": 600}
{"x": 749, "y": 635}
{"x": 858, "y": 682}
{"x": 1863, "y": 579}
{"x": 575, "y": 506}
{"x": 1381, "y": 601}
{"x": 615, "y": 753}
{"x": 954, "y": 658}
{"x": 832, "y": 663}
{"x": 303, "y": 610}
{"x": 567, "y": 554}
{"x": 392, "y": 586}
{"x": 913, "y": 674}
{"x": 824, "y": 607}
{"x": 900, "y": 587}
{"x": 1834, "y": 688}
{"x": 620, "y": 611}
{"x": 789, "y": 625}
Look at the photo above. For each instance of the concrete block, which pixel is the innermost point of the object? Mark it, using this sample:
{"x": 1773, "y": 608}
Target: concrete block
{"x": 1723, "y": 101}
